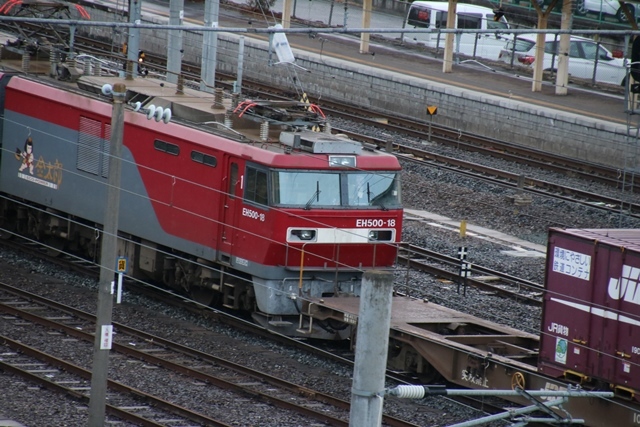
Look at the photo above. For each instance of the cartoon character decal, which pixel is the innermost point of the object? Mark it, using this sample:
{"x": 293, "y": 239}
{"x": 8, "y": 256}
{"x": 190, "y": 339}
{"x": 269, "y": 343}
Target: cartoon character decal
{"x": 26, "y": 156}
{"x": 41, "y": 171}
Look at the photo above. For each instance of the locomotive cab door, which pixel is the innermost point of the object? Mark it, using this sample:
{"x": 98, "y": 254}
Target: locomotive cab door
{"x": 231, "y": 203}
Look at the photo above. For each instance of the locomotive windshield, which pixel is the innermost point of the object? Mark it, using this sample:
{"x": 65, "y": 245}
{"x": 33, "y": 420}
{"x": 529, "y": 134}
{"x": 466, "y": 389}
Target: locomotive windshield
{"x": 313, "y": 189}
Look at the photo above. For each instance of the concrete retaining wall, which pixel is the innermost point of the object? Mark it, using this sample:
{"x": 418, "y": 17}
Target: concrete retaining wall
{"x": 550, "y": 130}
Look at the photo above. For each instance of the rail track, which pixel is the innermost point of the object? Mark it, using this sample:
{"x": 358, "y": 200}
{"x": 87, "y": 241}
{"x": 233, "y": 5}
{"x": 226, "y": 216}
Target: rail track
{"x": 73, "y": 321}
{"x": 489, "y": 280}
{"x": 38, "y": 367}
{"x": 202, "y": 369}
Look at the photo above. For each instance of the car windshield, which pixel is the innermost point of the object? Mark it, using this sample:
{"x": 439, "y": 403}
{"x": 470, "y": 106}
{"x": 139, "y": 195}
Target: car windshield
{"x": 419, "y": 17}
{"x": 495, "y": 25}
{"x": 521, "y": 45}
{"x": 313, "y": 189}
{"x": 593, "y": 51}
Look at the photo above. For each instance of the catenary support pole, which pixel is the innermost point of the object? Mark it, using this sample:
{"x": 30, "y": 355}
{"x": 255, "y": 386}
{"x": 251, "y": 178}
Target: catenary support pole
{"x": 103, "y": 336}
{"x": 209, "y": 46}
{"x": 367, "y": 6}
{"x": 238, "y": 86}
{"x": 133, "y": 40}
{"x": 447, "y": 63}
{"x": 564, "y": 49}
{"x": 174, "y": 45}
{"x": 287, "y": 6}
{"x": 367, "y": 393}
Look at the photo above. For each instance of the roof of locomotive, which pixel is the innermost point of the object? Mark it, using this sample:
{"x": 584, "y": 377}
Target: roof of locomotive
{"x": 280, "y": 144}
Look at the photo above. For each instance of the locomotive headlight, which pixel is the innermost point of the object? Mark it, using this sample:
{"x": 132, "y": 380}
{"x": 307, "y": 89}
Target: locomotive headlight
{"x": 342, "y": 161}
{"x": 303, "y": 234}
{"x": 381, "y": 235}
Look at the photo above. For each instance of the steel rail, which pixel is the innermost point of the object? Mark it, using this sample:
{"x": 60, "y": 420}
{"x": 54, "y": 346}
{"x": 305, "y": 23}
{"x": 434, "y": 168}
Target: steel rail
{"x": 499, "y": 283}
{"x": 113, "y": 385}
{"x": 195, "y": 354}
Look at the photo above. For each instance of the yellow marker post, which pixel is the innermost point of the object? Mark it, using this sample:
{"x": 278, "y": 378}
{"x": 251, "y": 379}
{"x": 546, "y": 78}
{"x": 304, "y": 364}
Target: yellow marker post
{"x": 432, "y": 110}
{"x": 463, "y": 228}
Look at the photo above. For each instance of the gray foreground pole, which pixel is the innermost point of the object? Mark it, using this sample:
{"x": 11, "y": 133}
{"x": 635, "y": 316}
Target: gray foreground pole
{"x": 209, "y": 46}
{"x": 371, "y": 350}
{"x": 103, "y": 337}
{"x": 174, "y": 42}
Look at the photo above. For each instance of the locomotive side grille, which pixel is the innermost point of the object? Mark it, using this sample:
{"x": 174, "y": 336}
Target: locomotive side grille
{"x": 90, "y": 147}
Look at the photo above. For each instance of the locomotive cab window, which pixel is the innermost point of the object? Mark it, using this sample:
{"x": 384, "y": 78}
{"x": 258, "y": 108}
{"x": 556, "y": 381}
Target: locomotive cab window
{"x": 306, "y": 189}
{"x": 313, "y": 189}
{"x": 256, "y": 186}
{"x": 372, "y": 189}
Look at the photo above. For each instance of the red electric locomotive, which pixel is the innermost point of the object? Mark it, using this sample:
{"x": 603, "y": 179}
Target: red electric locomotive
{"x": 243, "y": 204}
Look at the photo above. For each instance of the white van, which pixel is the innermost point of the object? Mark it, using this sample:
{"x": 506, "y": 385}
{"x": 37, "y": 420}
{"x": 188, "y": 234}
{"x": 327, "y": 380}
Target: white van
{"x": 432, "y": 15}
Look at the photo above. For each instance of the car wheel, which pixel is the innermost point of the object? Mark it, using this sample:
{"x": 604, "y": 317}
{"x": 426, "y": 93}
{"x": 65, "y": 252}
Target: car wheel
{"x": 621, "y": 15}
{"x": 581, "y": 9}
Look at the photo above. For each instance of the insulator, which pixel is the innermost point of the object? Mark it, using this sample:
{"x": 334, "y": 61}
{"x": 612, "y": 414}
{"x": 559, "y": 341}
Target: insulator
{"x": 327, "y": 128}
{"x": 54, "y": 56}
{"x": 54, "y": 60}
{"x": 86, "y": 69}
{"x": 97, "y": 69}
{"x": 26, "y": 62}
{"x": 408, "y": 391}
{"x": 264, "y": 130}
{"x": 227, "y": 119}
{"x": 219, "y": 97}
{"x": 180, "y": 86}
{"x": 234, "y": 100}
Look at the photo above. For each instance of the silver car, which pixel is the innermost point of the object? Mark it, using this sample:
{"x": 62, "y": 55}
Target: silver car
{"x": 604, "y": 7}
{"x": 585, "y": 57}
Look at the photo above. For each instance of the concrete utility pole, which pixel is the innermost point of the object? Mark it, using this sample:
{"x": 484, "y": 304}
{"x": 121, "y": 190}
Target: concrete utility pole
{"x": 104, "y": 332}
{"x": 287, "y": 5}
{"x": 447, "y": 63}
{"x": 209, "y": 46}
{"x": 538, "y": 70}
{"x": 133, "y": 41}
{"x": 371, "y": 350}
{"x": 562, "y": 77}
{"x": 367, "y": 6}
{"x": 174, "y": 47}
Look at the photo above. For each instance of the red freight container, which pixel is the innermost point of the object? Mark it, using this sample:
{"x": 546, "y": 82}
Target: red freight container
{"x": 591, "y": 314}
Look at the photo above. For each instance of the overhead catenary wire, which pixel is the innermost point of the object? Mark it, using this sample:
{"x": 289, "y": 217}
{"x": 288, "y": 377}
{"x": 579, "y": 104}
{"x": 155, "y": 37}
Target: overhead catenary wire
{"x": 309, "y": 30}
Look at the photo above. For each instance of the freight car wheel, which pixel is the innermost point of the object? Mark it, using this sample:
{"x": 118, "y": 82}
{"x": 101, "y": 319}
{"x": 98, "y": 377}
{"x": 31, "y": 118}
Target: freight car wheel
{"x": 7, "y": 229}
{"x": 518, "y": 381}
{"x": 202, "y": 295}
{"x": 429, "y": 375}
{"x": 54, "y": 246}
